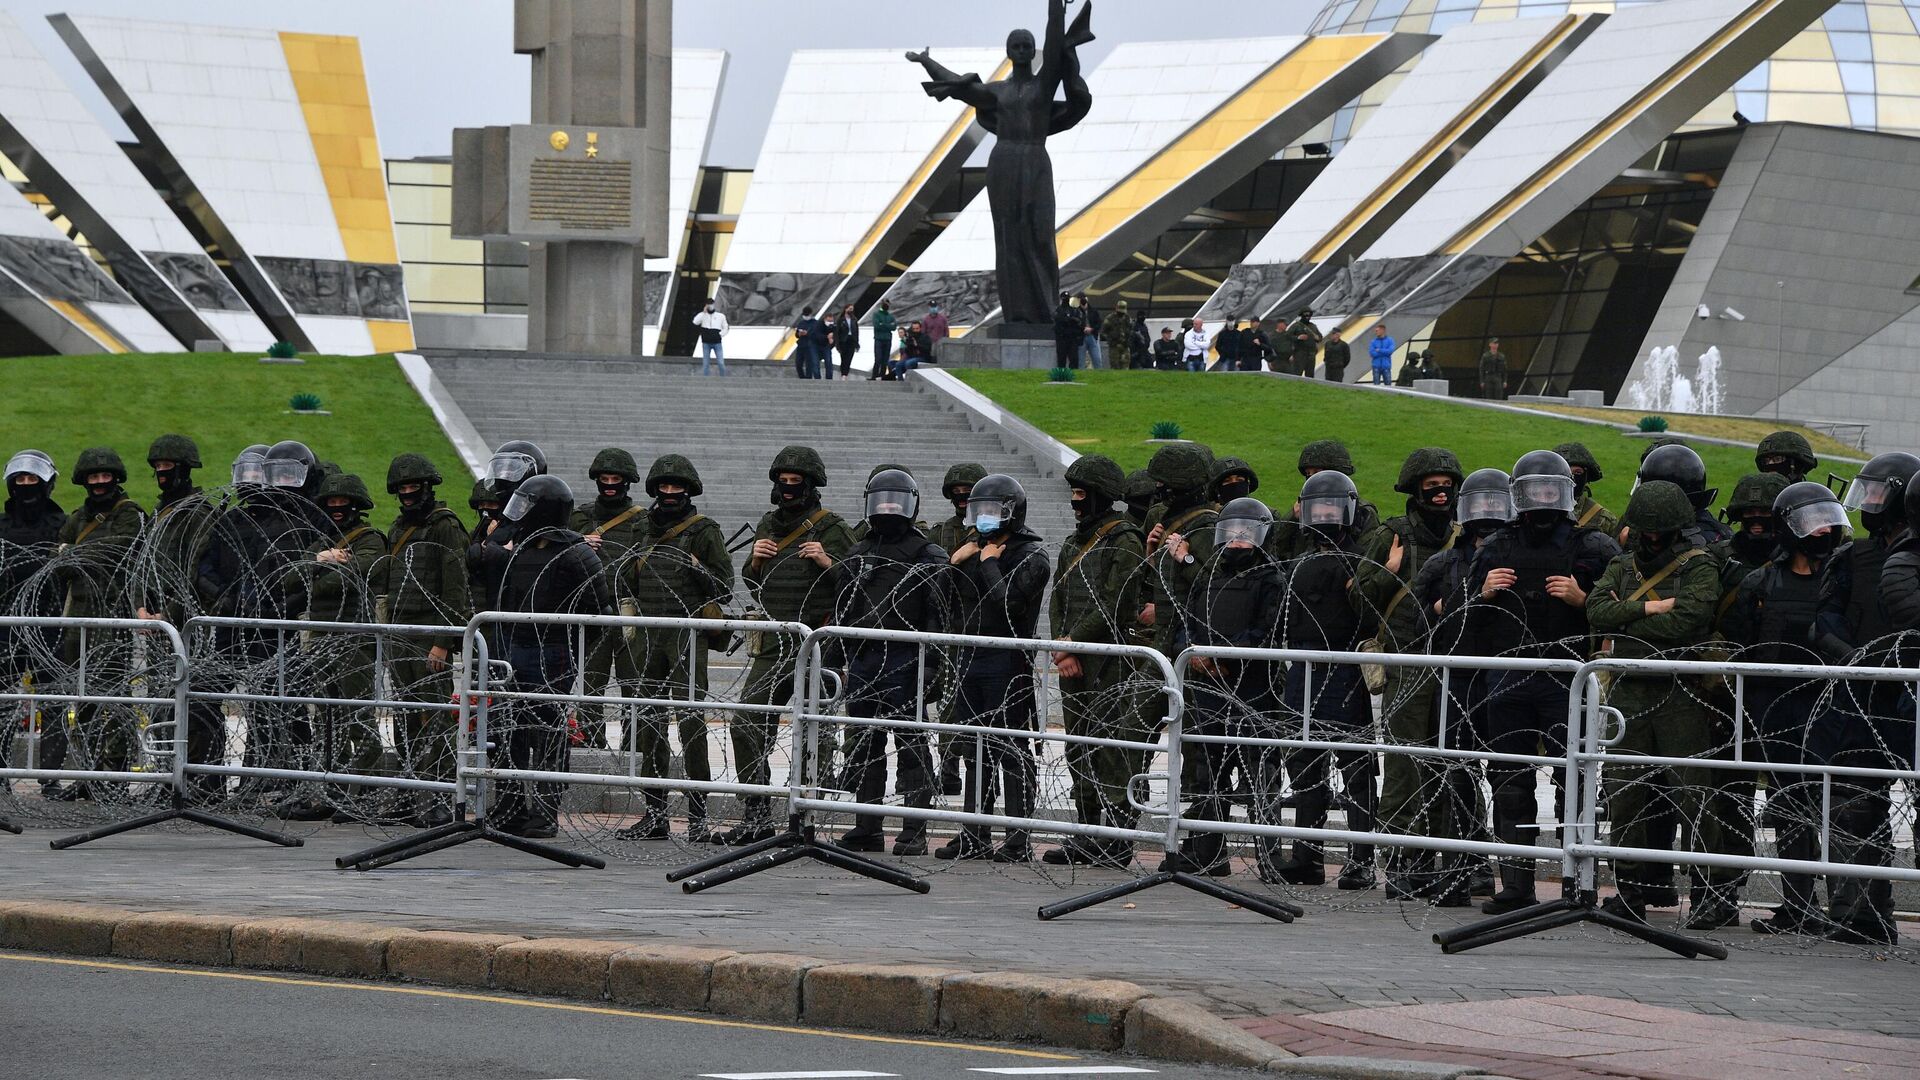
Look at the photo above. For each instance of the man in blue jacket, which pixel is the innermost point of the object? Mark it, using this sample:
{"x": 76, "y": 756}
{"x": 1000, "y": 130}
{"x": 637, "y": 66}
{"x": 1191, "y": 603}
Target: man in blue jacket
{"x": 1380, "y": 351}
{"x": 809, "y": 344}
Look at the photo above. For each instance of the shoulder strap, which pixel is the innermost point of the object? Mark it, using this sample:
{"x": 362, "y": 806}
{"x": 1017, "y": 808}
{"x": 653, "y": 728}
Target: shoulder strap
{"x": 1666, "y": 571}
{"x": 1186, "y": 519}
{"x": 617, "y": 520}
{"x": 346, "y": 541}
{"x": 667, "y": 538}
{"x": 1586, "y": 519}
{"x": 1092, "y": 542}
{"x": 1406, "y": 587}
{"x": 97, "y": 519}
{"x": 400, "y": 541}
{"x": 805, "y": 527}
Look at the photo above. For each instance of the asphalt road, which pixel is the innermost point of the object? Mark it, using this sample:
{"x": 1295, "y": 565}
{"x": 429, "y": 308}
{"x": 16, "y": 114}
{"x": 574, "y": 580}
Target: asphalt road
{"x": 63, "y": 1018}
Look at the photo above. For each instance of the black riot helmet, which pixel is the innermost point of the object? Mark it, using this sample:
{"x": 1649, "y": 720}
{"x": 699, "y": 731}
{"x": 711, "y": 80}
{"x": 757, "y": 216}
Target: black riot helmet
{"x": 1243, "y": 521}
{"x": 1329, "y": 503}
{"x": 1879, "y": 492}
{"x": 290, "y": 466}
{"x": 997, "y": 504}
{"x": 892, "y": 493}
{"x": 1812, "y": 520}
{"x": 539, "y": 502}
{"x": 250, "y": 466}
{"x": 1680, "y": 466}
{"x": 513, "y": 463}
{"x": 35, "y": 462}
{"x": 1542, "y": 483}
{"x": 1486, "y": 498}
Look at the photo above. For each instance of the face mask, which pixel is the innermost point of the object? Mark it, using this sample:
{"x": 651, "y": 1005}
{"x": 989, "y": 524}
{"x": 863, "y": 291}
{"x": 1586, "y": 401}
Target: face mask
{"x": 1236, "y": 489}
{"x": 788, "y": 494}
{"x": 987, "y": 524}
{"x": 1082, "y": 506}
{"x": 1439, "y": 499}
{"x": 671, "y": 500}
{"x": 1162, "y": 494}
{"x": 1541, "y": 522}
{"x": 1237, "y": 558}
{"x": 489, "y": 513}
{"x": 1877, "y": 524}
{"x": 26, "y": 494}
{"x": 1651, "y": 544}
{"x": 412, "y": 500}
{"x": 172, "y": 480}
{"x": 1819, "y": 547}
{"x": 613, "y": 493}
{"x": 1783, "y": 467}
{"x": 1753, "y": 547}
{"x": 1480, "y": 530}
{"x": 101, "y": 492}
{"x": 339, "y": 514}
{"x": 1329, "y": 534}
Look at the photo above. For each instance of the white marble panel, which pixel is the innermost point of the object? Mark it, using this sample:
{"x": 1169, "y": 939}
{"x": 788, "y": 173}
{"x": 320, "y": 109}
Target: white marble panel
{"x": 697, "y": 75}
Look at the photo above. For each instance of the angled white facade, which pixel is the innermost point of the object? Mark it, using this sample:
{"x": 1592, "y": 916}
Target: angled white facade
{"x": 697, "y": 76}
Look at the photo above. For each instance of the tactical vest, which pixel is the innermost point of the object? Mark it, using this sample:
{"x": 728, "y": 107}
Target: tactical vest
{"x": 1788, "y": 603}
{"x": 1319, "y": 611}
{"x": 416, "y": 591}
{"x": 666, "y": 582}
{"x": 1233, "y": 603}
{"x": 791, "y": 587}
{"x": 1086, "y": 561}
{"x": 1866, "y": 617}
{"x": 1548, "y": 619}
{"x": 888, "y": 588}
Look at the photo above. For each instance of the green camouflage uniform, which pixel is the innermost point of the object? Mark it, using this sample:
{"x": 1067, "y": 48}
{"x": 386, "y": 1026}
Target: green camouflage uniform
{"x": 423, "y": 575}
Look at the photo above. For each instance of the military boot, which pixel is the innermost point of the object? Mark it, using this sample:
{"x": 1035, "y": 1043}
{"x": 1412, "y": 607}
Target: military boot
{"x": 653, "y": 825}
{"x": 1511, "y": 813}
{"x": 698, "y": 831}
{"x": 757, "y": 812}
{"x": 1307, "y": 865}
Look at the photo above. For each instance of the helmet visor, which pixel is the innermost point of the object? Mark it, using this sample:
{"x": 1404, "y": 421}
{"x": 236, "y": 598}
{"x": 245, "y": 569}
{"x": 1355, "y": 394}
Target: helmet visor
{"x": 517, "y": 506}
{"x": 1241, "y": 531}
{"x": 1804, "y": 521}
{"x": 987, "y": 515}
{"x": 1542, "y": 492}
{"x": 896, "y": 503}
{"x": 250, "y": 470}
{"x": 30, "y": 463}
{"x": 1868, "y": 495}
{"x": 1322, "y": 511}
{"x": 1486, "y": 506}
{"x": 510, "y": 467}
{"x": 285, "y": 472}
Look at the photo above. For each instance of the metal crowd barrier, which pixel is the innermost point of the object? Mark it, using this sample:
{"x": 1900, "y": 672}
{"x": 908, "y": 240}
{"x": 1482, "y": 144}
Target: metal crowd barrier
{"x": 159, "y": 741}
{"x": 478, "y": 771}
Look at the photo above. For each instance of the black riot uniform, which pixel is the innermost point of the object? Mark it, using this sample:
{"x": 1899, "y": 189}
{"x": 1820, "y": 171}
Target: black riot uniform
{"x": 1527, "y": 711}
{"x": 29, "y": 532}
{"x": 1771, "y": 619}
{"x": 1863, "y": 727}
{"x": 894, "y": 579}
{"x": 1002, "y": 588}
{"x": 548, "y": 568}
{"x": 1321, "y": 613}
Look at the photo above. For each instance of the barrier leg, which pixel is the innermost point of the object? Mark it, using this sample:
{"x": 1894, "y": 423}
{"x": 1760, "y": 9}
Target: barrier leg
{"x": 453, "y": 834}
{"x": 1576, "y": 907}
{"x": 1278, "y": 910}
{"x": 797, "y": 842}
{"x": 9, "y": 827}
{"x": 179, "y": 811}
{"x": 1100, "y": 896}
{"x": 387, "y": 847}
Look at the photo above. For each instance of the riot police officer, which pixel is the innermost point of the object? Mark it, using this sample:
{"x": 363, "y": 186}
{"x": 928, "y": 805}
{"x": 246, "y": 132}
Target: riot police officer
{"x": 895, "y": 579}
{"x": 1787, "y": 453}
{"x": 1772, "y": 618}
{"x": 1850, "y": 625}
{"x": 1410, "y": 798}
{"x": 545, "y": 567}
{"x": 1320, "y": 613}
{"x": 795, "y": 546}
{"x": 1096, "y": 587}
{"x": 30, "y": 527}
{"x": 1002, "y": 583}
{"x": 1529, "y": 586}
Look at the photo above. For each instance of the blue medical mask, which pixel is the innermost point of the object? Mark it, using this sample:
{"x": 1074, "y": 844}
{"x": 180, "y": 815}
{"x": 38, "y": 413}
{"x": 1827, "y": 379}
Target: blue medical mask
{"x": 987, "y": 524}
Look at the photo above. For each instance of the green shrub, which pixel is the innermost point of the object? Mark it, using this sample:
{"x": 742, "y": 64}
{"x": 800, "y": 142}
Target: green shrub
{"x": 1653, "y": 423}
{"x": 305, "y": 402}
{"x": 1166, "y": 429}
{"x": 282, "y": 350}
{"x": 1060, "y": 374}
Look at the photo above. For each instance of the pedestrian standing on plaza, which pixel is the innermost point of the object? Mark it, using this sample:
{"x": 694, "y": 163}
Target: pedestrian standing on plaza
{"x": 935, "y": 326}
{"x": 1068, "y": 328}
{"x": 809, "y": 344}
{"x": 1227, "y": 344}
{"x": 1493, "y": 372}
{"x": 1336, "y": 353}
{"x": 713, "y": 331}
{"x": 1089, "y": 332}
{"x": 1116, "y": 334}
{"x": 1140, "y": 343}
{"x": 1306, "y": 339}
{"x": 846, "y": 339}
{"x": 1193, "y": 352}
{"x": 1166, "y": 351}
{"x": 1380, "y": 352}
{"x": 883, "y": 333}
{"x": 1255, "y": 347}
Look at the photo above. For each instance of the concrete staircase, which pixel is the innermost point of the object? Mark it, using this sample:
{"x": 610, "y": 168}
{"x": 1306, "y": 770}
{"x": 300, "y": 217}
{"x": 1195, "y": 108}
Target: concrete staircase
{"x": 731, "y": 428}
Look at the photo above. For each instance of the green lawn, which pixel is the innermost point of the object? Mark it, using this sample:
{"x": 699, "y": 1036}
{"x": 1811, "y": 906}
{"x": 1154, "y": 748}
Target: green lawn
{"x": 224, "y": 402}
{"x": 1266, "y": 421}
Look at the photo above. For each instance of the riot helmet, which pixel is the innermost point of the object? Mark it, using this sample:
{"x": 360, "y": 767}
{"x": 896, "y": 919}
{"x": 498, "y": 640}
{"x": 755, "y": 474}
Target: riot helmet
{"x": 1325, "y": 454}
{"x": 1542, "y": 484}
{"x": 539, "y": 502}
{"x": 1586, "y": 469}
{"x": 291, "y": 466}
{"x": 1233, "y": 479}
{"x": 1879, "y": 492}
{"x": 801, "y": 461}
{"x": 614, "y": 462}
{"x": 95, "y": 460}
{"x": 344, "y": 497}
{"x": 892, "y": 495}
{"x": 1680, "y": 466}
{"x": 1750, "y": 513}
{"x": 30, "y": 476}
{"x": 1658, "y": 512}
{"x": 1486, "y": 502}
{"x": 483, "y": 500}
{"x": 1329, "y": 503}
{"x": 250, "y": 466}
{"x": 513, "y": 463}
{"x": 1244, "y": 521}
{"x": 958, "y": 484}
{"x": 1812, "y": 520}
{"x": 182, "y": 457}
{"x": 1094, "y": 484}
{"x": 998, "y": 504}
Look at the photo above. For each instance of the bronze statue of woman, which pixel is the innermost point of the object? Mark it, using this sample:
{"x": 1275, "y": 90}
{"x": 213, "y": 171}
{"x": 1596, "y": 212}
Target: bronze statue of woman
{"x": 1021, "y": 112}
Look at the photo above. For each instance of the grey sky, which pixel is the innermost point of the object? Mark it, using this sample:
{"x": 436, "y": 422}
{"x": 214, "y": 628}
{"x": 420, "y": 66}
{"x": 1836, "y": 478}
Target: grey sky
{"x": 434, "y": 65}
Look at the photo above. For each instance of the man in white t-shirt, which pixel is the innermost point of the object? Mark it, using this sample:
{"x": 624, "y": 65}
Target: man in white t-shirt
{"x": 1193, "y": 351}
{"x": 713, "y": 330}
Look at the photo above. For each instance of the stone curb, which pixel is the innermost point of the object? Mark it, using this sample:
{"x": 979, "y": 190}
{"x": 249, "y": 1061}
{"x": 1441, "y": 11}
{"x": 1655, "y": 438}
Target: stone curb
{"x": 1086, "y": 1014}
